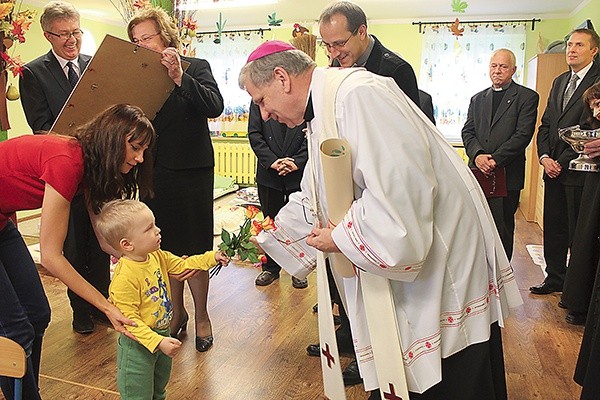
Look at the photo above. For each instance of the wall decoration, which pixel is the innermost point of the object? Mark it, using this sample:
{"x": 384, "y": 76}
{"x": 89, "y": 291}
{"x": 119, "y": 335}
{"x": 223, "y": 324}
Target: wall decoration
{"x": 456, "y": 31}
{"x": 459, "y": 6}
{"x": 14, "y": 22}
{"x": 272, "y": 19}
{"x": 299, "y": 30}
{"x": 220, "y": 26}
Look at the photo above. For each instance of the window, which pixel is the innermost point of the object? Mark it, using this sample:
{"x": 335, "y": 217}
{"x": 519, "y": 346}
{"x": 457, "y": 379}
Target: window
{"x": 454, "y": 69}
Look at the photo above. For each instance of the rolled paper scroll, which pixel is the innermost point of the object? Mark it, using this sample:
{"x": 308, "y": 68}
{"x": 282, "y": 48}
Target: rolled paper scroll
{"x": 336, "y": 163}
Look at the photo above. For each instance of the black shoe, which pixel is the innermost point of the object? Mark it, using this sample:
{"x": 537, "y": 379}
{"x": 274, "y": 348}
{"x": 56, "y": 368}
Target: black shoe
{"x": 299, "y": 283}
{"x": 576, "y": 318}
{"x": 203, "y": 343}
{"x": 314, "y": 350}
{"x": 562, "y": 305}
{"x": 265, "y": 278}
{"x": 181, "y": 328}
{"x": 82, "y": 323}
{"x": 351, "y": 374}
{"x": 545, "y": 288}
{"x": 375, "y": 395}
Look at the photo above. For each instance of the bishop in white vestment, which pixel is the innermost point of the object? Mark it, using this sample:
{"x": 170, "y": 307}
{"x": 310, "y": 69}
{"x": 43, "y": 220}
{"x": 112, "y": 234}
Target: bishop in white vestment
{"x": 418, "y": 219}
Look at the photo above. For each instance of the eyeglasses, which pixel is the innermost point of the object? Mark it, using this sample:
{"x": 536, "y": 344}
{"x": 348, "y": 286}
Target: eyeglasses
{"x": 144, "y": 39}
{"x": 67, "y": 35}
{"x": 339, "y": 44}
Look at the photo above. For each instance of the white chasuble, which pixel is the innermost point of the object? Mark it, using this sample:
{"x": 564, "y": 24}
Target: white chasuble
{"x": 419, "y": 219}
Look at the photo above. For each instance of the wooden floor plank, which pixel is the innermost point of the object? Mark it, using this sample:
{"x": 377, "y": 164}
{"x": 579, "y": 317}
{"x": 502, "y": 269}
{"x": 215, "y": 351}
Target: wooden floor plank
{"x": 261, "y": 334}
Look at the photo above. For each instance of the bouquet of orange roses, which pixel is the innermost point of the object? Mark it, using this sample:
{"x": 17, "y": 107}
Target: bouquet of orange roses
{"x": 239, "y": 244}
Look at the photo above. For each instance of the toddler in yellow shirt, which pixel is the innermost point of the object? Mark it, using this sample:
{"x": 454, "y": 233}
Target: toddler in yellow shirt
{"x": 140, "y": 289}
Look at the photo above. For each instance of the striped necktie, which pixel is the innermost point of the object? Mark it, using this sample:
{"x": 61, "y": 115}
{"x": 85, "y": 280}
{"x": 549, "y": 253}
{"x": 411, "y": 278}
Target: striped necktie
{"x": 72, "y": 75}
{"x": 570, "y": 90}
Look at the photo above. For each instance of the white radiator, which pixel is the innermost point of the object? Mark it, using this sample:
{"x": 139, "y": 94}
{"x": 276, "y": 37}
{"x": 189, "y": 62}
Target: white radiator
{"x": 235, "y": 159}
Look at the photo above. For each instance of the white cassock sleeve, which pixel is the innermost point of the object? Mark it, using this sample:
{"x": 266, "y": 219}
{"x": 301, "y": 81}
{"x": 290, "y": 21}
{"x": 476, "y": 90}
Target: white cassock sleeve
{"x": 388, "y": 230}
{"x": 286, "y": 244}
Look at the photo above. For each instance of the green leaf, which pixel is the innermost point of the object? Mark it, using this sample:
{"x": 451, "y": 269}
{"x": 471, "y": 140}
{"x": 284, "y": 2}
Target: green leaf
{"x": 225, "y": 237}
{"x": 248, "y": 246}
{"x": 253, "y": 258}
{"x": 459, "y": 6}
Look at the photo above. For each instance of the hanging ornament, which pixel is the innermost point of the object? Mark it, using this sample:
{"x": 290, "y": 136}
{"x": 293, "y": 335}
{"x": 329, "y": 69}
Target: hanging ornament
{"x": 272, "y": 19}
{"x": 459, "y": 6}
{"x": 12, "y": 93}
{"x": 455, "y": 29}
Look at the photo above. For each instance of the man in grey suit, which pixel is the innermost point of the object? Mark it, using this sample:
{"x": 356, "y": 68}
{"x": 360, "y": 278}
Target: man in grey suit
{"x": 500, "y": 124}
{"x": 45, "y": 86}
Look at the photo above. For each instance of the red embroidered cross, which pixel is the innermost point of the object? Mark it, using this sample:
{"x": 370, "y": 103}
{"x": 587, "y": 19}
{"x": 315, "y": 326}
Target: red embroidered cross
{"x": 328, "y": 355}
{"x": 392, "y": 394}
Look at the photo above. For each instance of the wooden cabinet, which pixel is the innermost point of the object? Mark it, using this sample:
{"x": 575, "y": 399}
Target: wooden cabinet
{"x": 541, "y": 71}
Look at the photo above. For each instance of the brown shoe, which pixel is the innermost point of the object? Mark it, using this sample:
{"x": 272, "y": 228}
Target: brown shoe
{"x": 265, "y": 278}
{"x": 299, "y": 283}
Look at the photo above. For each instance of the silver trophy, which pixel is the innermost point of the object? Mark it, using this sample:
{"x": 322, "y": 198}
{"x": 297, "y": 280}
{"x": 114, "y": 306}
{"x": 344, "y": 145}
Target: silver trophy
{"x": 577, "y": 138}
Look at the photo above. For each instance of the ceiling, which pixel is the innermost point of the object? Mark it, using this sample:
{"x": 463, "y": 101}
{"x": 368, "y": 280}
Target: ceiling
{"x": 307, "y": 11}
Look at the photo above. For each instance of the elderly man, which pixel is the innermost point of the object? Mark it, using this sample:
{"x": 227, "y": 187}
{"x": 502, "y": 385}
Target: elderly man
{"x": 45, "y": 86}
{"x": 500, "y": 124}
{"x": 418, "y": 222}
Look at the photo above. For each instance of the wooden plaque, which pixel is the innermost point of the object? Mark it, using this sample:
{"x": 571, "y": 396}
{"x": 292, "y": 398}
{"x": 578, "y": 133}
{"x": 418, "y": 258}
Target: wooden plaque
{"x": 119, "y": 72}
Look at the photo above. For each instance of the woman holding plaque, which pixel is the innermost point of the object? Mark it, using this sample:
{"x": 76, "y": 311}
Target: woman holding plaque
{"x": 184, "y": 162}
{"x": 47, "y": 171}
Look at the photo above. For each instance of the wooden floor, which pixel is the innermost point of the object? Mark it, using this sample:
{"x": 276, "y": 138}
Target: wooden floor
{"x": 261, "y": 335}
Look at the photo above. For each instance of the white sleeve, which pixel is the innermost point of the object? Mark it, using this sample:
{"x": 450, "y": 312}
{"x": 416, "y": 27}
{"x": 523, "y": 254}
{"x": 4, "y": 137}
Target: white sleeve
{"x": 286, "y": 244}
{"x": 388, "y": 230}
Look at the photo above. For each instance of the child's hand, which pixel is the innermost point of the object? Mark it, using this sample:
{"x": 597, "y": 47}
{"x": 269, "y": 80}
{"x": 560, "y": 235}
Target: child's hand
{"x": 221, "y": 258}
{"x": 170, "y": 346}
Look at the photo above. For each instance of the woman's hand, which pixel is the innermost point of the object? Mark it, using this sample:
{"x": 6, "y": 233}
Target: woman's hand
{"x": 171, "y": 60}
{"x": 592, "y": 148}
{"x": 119, "y": 322}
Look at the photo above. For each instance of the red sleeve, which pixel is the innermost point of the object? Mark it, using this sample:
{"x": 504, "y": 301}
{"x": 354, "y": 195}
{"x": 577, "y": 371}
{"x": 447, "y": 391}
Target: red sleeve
{"x": 64, "y": 172}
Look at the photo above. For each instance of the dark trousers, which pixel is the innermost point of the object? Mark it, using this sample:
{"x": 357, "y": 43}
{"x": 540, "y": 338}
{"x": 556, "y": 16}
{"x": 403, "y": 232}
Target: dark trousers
{"x": 83, "y": 251}
{"x": 503, "y": 210}
{"x": 585, "y": 251}
{"x": 271, "y": 201}
{"x": 24, "y": 308}
{"x": 561, "y": 207}
{"x": 475, "y": 373}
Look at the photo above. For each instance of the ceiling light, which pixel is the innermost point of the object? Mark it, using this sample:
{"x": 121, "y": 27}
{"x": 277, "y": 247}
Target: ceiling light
{"x": 213, "y": 5}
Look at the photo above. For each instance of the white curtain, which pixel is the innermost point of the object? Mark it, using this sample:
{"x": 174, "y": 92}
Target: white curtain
{"x": 453, "y": 69}
{"x": 226, "y": 60}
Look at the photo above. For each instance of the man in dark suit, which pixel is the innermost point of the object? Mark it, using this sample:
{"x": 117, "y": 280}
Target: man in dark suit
{"x": 499, "y": 126}
{"x": 45, "y": 86}
{"x": 282, "y": 155}
{"x": 343, "y": 29}
{"x": 563, "y": 187}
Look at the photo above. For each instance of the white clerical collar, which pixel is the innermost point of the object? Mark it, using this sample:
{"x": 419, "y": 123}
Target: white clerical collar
{"x": 502, "y": 87}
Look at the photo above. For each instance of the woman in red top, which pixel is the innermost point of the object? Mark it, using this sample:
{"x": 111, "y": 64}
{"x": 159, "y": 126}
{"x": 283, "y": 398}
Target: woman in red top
{"x": 47, "y": 171}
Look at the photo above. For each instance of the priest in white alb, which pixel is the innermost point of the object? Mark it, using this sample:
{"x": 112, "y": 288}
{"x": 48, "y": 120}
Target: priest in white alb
{"x": 415, "y": 251}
